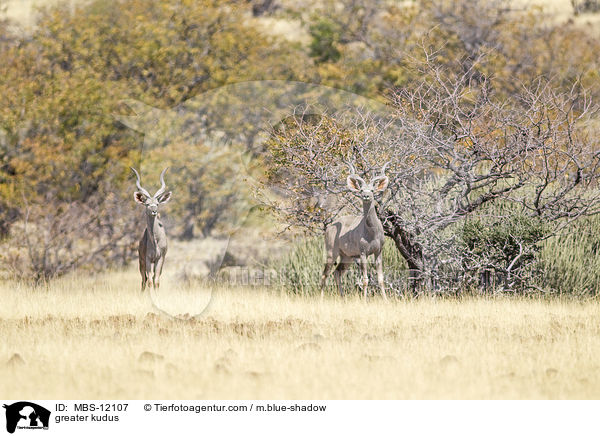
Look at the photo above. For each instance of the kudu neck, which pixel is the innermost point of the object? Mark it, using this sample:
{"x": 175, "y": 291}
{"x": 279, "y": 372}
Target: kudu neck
{"x": 369, "y": 213}
{"x": 152, "y": 223}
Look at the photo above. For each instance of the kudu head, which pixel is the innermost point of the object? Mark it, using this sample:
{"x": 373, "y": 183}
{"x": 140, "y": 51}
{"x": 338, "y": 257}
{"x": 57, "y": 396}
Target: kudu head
{"x": 151, "y": 202}
{"x": 366, "y": 191}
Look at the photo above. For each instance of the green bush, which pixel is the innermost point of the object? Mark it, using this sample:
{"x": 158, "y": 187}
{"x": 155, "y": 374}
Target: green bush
{"x": 567, "y": 263}
{"x": 325, "y": 36}
{"x": 505, "y": 244}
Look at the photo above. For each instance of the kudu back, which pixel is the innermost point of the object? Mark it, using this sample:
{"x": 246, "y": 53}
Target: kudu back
{"x": 153, "y": 245}
{"x": 357, "y": 236}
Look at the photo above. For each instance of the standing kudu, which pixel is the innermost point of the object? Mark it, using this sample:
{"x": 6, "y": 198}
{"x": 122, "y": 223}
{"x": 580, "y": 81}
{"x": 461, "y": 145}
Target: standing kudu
{"x": 357, "y": 237}
{"x": 153, "y": 245}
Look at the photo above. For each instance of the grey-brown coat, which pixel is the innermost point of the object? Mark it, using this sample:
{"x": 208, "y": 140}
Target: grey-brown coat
{"x": 356, "y": 237}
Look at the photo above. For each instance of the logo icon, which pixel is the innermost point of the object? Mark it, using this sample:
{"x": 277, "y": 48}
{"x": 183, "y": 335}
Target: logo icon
{"x": 26, "y": 415}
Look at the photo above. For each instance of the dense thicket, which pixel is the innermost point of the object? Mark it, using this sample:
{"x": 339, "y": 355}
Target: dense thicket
{"x": 61, "y": 148}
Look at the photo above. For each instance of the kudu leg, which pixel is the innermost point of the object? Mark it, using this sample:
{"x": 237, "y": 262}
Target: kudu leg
{"x": 379, "y": 264}
{"x": 150, "y": 274}
{"x": 157, "y": 272}
{"x": 143, "y": 274}
{"x": 326, "y": 272}
{"x": 339, "y": 273}
{"x": 365, "y": 277}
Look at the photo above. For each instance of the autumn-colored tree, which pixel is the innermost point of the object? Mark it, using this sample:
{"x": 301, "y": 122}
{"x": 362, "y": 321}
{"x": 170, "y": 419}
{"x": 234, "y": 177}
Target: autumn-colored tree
{"x": 370, "y": 47}
{"x": 61, "y": 145}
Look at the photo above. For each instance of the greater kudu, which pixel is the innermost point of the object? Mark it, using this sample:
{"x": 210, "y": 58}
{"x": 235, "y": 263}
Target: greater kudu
{"x": 357, "y": 237}
{"x": 153, "y": 245}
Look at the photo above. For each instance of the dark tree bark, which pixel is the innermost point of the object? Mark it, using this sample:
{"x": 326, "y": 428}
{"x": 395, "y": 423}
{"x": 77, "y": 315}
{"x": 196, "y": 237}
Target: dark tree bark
{"x": 410, "y": 250}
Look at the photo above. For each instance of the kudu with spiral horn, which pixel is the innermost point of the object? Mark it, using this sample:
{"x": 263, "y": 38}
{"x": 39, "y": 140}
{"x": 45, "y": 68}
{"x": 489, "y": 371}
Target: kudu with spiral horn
{"x": 153, "y": 245}
{"x": 357, "y": 237}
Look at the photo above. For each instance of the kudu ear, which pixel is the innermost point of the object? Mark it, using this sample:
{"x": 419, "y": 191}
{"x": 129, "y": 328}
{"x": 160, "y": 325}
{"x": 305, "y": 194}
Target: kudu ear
{"x": 380, "y": 183}
{"x": 163, "y": 198}
{"x": 140, "y": 197}
{"x": 355, "y": 183}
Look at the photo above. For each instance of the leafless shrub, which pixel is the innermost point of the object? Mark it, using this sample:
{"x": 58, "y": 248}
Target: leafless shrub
{"x": 57, "y": 237}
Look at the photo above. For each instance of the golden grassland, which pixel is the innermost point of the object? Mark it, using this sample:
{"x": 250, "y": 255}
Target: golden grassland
{"x": 99, "y": 337}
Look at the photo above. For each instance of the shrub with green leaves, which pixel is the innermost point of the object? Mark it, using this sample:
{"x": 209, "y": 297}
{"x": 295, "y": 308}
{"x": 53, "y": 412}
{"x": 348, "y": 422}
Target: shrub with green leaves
{"x": 325, "y": 36}
{"x": 507, "y": 245}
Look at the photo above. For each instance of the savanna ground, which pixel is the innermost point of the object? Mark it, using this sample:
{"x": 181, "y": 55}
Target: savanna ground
{"x": 99, "y": 337}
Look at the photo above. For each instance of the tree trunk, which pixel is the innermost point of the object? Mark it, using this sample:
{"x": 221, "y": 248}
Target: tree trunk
{"x": 410, "y": 250}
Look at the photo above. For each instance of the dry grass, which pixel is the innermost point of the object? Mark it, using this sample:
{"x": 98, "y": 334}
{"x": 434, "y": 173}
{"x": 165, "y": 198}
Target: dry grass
{"x": 100, "y": 338}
